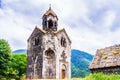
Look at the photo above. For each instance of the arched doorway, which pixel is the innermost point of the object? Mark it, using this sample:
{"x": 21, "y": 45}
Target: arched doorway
{"x": 63, "y": 72}
{"x": 50, "y": 62}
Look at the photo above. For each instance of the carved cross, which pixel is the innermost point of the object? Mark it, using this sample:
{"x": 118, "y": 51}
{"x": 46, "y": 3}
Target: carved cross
{"x": 63, "y": 56}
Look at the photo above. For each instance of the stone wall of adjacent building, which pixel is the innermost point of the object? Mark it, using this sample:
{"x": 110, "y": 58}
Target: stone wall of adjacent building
{"x": 106, "y": 60}
{"x": 108, "y": 70}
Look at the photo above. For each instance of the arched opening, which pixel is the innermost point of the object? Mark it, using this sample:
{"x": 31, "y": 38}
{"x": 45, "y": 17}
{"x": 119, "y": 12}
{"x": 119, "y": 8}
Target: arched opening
{"x": 55, "y": 24}
{"x": 36, "y": 41}
{"x": 45, "y": 23}
{"x": 49, "y": 54}
{"x": 50, "y": 24}
{"x": 63, "y": 72}
{"x": 63, "y": 42}
{"x": 50, "y": 63}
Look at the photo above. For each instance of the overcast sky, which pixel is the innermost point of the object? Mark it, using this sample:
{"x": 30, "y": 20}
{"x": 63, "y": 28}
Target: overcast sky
{"x": 90, "y": 24}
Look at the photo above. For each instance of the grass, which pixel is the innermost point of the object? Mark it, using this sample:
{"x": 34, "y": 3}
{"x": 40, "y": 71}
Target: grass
{"x": 95, "y": 76}
{"x": 101, "y": 76}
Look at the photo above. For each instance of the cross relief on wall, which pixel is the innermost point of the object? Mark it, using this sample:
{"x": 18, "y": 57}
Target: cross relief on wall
{"x": 63, "y": 56}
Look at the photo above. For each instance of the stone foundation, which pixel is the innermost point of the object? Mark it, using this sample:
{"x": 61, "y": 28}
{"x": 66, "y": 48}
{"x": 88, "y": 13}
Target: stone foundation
{"x": 107, "y": 70}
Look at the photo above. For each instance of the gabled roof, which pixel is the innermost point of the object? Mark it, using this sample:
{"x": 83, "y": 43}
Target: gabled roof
{"x": 63, "y": 30}
{"x": 44, "y": 32}
{"x": 36, "y": 28}
{"x": 107, "y": 57}
{"x": 50, "y": 11}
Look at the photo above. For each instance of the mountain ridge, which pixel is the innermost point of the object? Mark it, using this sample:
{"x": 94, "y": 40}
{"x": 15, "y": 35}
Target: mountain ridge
{"x": 18, "y": 51}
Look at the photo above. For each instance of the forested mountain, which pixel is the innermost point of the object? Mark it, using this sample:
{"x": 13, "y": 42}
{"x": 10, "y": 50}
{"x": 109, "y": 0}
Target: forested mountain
{"x": 80, "y": 63}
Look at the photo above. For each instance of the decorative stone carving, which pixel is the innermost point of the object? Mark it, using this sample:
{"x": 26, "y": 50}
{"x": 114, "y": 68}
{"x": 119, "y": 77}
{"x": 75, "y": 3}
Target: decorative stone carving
{"x": 63, "y": 56}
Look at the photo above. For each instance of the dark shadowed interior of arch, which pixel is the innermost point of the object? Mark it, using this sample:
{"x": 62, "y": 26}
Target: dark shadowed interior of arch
{"x": 50, "y": 24}
{"x": 49, "y": 53}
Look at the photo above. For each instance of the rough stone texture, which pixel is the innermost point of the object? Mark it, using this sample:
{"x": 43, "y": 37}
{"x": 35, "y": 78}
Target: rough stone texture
{"x": 106, "y": 60}
{"x": 49, "y": 51}
{"x": 107, "y": 70}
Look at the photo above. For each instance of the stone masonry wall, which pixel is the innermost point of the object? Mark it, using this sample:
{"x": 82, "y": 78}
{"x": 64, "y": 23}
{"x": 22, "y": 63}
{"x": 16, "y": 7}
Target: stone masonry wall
{"x": 35, "y": 59}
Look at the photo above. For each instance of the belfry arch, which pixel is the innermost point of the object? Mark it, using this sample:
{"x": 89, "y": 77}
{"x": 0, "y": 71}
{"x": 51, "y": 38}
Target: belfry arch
{"x": 50, "y": 24}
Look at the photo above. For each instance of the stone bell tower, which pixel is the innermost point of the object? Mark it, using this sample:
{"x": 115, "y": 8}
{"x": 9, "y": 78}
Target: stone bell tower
{"x": 49, "y": 50}
{"x": 50, "y": 21}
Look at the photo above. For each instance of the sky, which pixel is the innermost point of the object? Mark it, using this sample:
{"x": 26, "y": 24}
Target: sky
{"x": 90, "y": 24}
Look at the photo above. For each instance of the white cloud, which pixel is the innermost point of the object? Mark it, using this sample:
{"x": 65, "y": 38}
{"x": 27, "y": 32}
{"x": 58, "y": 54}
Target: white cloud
{"x": 88, "y": 23}
{"x": 108, "y": 19}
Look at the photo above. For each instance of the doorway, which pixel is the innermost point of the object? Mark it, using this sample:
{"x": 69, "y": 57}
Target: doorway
{"x": 63, "y": 74}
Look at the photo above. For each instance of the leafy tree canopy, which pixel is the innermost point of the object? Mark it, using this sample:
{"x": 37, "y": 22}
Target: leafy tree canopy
{"x": 4, "y": 57}
{"x": 18, "y": 63}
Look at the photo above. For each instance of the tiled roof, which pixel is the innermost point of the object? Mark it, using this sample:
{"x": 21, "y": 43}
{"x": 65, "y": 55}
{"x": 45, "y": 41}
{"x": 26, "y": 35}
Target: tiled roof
{"x": 107, "y": 57}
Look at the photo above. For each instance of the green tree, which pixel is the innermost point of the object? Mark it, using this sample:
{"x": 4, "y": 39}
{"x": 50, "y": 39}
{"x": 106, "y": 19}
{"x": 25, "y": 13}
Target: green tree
{"x": 18, "y": 63}
{"x": 4, "y": 58}
{"x": 76, "y": 72}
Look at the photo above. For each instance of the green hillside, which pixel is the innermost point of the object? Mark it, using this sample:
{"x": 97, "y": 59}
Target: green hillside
{"x": 80, "y": 63}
